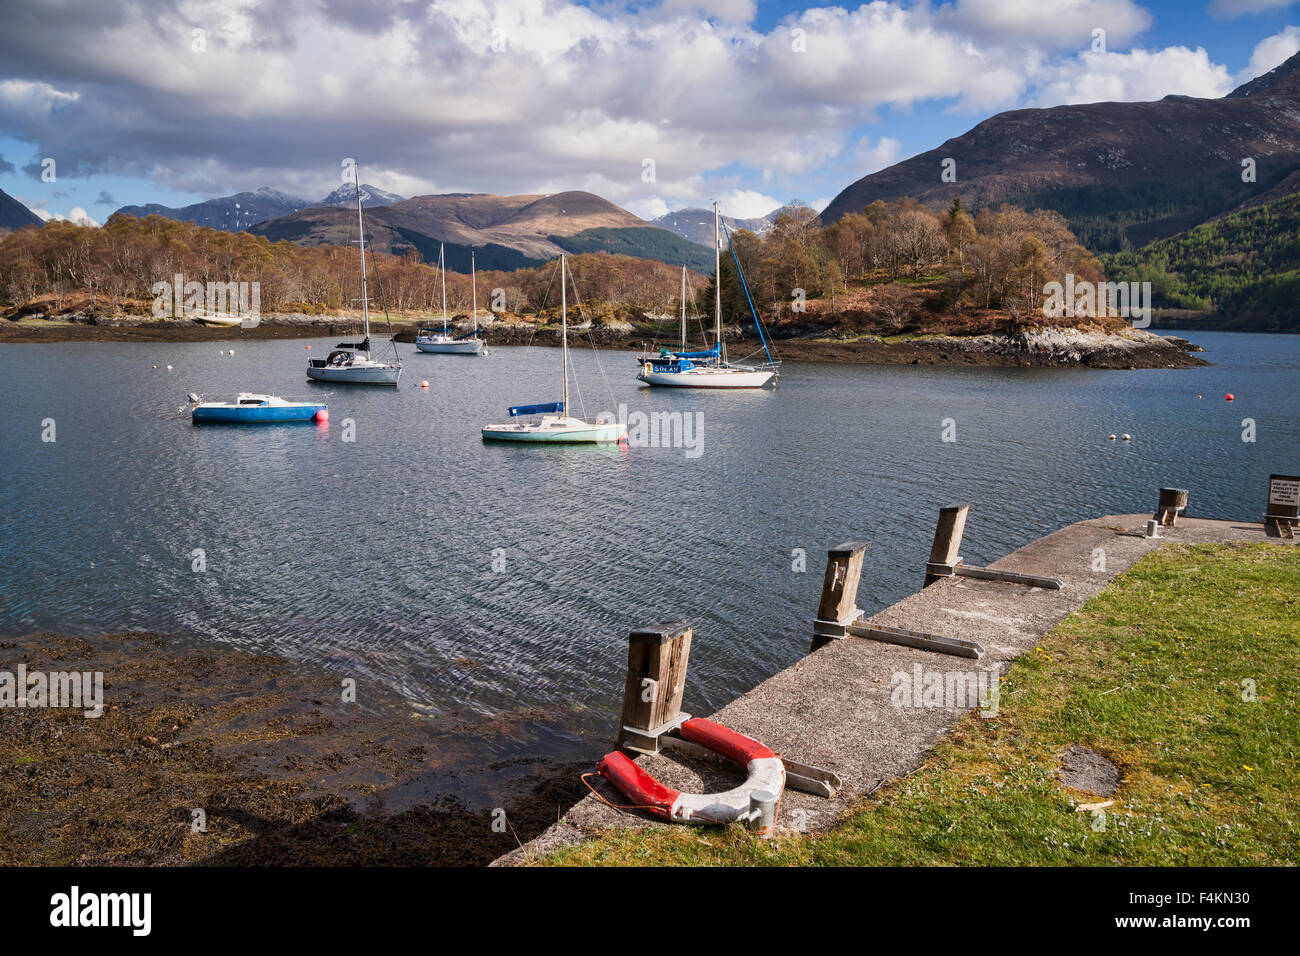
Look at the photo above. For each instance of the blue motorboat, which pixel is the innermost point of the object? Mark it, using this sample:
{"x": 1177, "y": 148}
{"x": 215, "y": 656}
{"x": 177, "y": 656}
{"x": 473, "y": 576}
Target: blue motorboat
{"x": 254, "y": 409}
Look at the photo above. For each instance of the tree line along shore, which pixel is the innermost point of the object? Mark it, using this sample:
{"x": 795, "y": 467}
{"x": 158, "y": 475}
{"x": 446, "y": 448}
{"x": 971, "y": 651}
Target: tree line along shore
{"x": 897, "y": 272}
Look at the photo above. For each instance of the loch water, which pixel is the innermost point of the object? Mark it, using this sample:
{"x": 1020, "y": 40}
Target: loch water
{"x": 498, "y": 581}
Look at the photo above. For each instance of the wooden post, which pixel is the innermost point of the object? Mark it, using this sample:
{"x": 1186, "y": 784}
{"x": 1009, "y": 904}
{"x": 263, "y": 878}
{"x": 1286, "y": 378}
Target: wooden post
{"x": 944, "y": 552}
{"x": 1282, "y": 511}
{"x": 657, "y": 657}
{"x": 1173, "y": 501}
{"x": 838, "y": 606}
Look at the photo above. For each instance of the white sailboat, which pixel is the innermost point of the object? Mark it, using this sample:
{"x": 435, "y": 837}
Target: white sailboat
{"x": 351, "y": 363}
{"x": 431, "y": 340}
{"x": 707, "y": 368}
{"x": 556, "y": 426}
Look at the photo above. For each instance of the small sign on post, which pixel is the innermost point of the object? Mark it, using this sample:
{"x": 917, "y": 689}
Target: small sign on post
{"x": 656, "y": 679}
{"x": 1282, "y": 513}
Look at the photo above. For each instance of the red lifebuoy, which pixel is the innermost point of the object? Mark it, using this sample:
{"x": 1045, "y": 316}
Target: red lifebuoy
{"x": 637, "y": 785}
{"x": 766, "y": 772}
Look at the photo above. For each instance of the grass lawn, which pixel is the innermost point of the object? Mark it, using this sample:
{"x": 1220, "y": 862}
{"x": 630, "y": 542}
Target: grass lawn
{"x": 1183, "y": 673}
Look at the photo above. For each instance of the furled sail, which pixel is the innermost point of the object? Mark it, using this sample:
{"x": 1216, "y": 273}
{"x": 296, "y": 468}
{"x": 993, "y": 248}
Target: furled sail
{"x": 516, "y": 410}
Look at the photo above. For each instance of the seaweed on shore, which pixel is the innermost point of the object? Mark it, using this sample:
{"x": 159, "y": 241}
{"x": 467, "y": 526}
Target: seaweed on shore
{"x": 281, "y": 773}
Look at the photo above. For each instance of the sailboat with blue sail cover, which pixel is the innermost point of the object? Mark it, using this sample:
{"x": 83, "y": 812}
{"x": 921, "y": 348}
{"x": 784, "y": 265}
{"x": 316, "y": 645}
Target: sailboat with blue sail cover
{"x": 556, "y": 426}
{"x": 352, "y": 363}
{"x": 709, "y": 368}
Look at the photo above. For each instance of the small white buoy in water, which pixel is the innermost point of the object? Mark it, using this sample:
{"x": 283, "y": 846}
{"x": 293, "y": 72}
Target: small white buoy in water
{"x": 1112, "y": 436}
{"x": 1126, "y": 437}
{"x": 169, "y": 368}
{"x": 221, "y": 351}
{"x": 424, "y": 384}
{"x": 232, "y": 351}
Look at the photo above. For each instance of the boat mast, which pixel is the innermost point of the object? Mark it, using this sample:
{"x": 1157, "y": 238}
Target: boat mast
{"x": 442, "y": 264}
{"x": 473, "y": 284}
{"x": 564, "y": 333}
{"x": 683, "y": 308}
{"x": 361, "y": 228}
{"x": 717, "y": 286}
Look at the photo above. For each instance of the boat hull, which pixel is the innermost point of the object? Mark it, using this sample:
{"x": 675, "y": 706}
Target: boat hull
{"x": 354, "y": 375}
{"x": 707, "y": 378}
{"x": 254, "y": 414}
{"x": 465, "y": 347}
{"x": 603, "y": 434}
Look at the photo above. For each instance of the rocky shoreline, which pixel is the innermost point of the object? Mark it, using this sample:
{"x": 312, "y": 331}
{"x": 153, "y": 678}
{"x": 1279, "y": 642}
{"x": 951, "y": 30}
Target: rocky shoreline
{"x": 284, "y": 772}
{"x": 1048, "y": 347}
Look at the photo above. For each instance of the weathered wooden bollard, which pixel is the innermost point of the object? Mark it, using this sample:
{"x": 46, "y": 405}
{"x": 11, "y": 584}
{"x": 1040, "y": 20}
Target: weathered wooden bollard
{"x": 1282, "y": 511}
{"x": 1172, "y": 503}
{"x": 944, "y": 556}
{"x": 657, "y": 657}
{"x": 945, "y": 562}
{"x": 839, "y": 617}
{"x": 838, "y": 608}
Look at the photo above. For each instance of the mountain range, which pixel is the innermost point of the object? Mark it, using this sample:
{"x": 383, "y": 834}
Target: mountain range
{"x": 505, "y": 232}
{"x": 1122, "y": 174}
{"x": 244, "y": 210}
{"x": 346, "y": 195}
{"x": 230, "y": 213}
{"x": 696, "y": 225}
{"x": 14, "y": 215}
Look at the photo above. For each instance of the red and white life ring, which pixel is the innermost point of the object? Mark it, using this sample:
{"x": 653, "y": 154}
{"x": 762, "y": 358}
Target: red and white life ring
{"x": 766, "y": 772}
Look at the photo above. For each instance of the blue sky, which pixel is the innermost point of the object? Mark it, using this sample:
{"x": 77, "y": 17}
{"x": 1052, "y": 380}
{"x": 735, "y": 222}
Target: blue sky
{"x": 751, "y": 103}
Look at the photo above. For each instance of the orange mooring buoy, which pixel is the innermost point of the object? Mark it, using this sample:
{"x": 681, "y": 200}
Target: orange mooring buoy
{"x": 1228, "y": 397}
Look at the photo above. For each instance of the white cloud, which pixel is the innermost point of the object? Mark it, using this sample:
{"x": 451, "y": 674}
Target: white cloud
{"x": 746, "y": 204}
{"x": 739, "y": 11}
{"x": 540, "y": 95}
{"x": 76, "y": 214}
{"x": 80, "y": 217}
{"x": 651, "y": 208}
{"x": 1236, "y": 8}
{"x": 1271, "y": 52}
{"x": 870, "y": 157}
{"x": 1050, "y": 24}
{"x": 1136, "y": 76}
{"x": 31, "y": 99}
{"x": 877, "y": 54}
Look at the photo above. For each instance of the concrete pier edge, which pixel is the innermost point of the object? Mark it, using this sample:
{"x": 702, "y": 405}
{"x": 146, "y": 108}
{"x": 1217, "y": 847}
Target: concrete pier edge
{"x": 832, "y": 708}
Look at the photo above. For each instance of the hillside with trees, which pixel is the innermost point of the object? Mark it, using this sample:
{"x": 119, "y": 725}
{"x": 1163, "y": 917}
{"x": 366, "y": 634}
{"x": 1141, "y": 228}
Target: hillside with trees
{"x": 1122, "y": 174}
{"x": 111, "y": 270}
{"x": 892, "y": 269}
{"x": 900, "y": 268}
{"x": 1243, "y": 270}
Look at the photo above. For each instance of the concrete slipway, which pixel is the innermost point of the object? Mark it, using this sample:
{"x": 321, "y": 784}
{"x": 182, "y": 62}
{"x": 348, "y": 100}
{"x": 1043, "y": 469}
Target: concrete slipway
{"x": 832, "y": 709}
